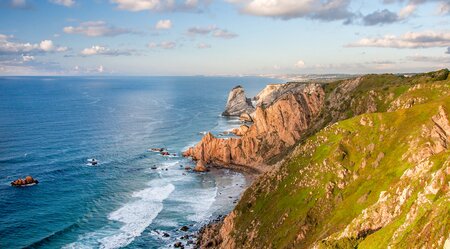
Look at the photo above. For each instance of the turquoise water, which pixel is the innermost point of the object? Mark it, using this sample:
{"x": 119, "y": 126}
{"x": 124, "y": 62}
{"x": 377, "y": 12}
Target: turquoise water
{"x": 50, "y": 126}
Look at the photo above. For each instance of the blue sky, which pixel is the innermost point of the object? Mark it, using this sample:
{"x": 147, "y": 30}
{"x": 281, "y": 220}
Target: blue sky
{"x": 222, "y": 37}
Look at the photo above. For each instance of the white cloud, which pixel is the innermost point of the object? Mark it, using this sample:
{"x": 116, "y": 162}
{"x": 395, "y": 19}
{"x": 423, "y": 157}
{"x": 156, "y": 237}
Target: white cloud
{"x": 94, "y": 50}
{"x": 19, "y": 4}
{"x": 427, "y": 39}
{"x": 27, "y": 58}
{"x": 431, "y": 59}
{"x": 300, "y": 64}
{"x": 67, "y": 3}
{"x": 46, "y": 45}
{"x": 444, "y": 8}
{"x": 10, "y": 47}
{"x": 203, "y": 45}
{"x": 223, "y": 33}
{"x": 407, "y": 11}
{"x": 201, "y": 30}
{"x": 287, "y": 9}
{"x": 159, "y": 5}
{"x": 163, "y": 24}
{"x": 100, "y": 50}
{"x": 163, "y": 45}
{"x": 95, "y": 29}
{"x": 213, "y": 30}
{"x": 100, "y": 69}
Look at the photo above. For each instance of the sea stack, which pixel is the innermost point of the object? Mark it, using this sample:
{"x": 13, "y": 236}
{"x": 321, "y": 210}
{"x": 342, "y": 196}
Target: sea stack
{"x": 238, "y": 103}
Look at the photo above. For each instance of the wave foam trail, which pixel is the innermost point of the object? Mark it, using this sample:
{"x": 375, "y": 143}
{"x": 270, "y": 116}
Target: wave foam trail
{"x": 137, "y": 215}
{"x": 199, "y": 202}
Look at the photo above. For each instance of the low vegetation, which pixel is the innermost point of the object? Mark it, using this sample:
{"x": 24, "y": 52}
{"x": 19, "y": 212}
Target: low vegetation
{"x": 374, "y": 174}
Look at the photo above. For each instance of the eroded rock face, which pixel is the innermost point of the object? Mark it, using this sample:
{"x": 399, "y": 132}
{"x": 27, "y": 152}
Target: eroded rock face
{"x": 275, "y": 128}
{"x": 240, "y": 131}
{"x": 268, "y": 95}
{"x": 245, "y": 117}
{"x": 238, "y": 103}
{"x": 200, "y": 167}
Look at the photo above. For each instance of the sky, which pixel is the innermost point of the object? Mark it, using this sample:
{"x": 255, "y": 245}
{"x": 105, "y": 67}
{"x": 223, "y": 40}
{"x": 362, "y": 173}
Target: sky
{"x": 223, "y": 37}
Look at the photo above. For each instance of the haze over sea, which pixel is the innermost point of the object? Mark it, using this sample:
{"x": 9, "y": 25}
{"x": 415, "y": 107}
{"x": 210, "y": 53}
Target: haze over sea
{"x": 50, "y": 126}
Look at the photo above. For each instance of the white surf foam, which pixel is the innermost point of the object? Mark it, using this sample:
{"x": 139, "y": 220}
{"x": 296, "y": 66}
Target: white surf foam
{"x": 201, "y": 203}
{"x": 197, "y": 202}
{"x": 137, "y": 215}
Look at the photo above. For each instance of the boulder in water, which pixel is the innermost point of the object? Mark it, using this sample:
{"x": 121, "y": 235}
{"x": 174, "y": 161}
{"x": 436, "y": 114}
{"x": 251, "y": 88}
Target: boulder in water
{"x": 24, "y": 182}
{"x": 178, "y": 245}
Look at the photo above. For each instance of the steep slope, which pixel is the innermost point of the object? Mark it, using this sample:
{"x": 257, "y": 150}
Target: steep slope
{"x": 275, "y": 128}
{"x": 289, "y": 113}
{"x": 371, "y": 181}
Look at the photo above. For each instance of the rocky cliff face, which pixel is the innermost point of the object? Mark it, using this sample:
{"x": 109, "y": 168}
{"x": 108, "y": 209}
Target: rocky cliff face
{"x": 276, "y": 126}
{"x": 238, "y": 103}
{"x": 361, "y": 179}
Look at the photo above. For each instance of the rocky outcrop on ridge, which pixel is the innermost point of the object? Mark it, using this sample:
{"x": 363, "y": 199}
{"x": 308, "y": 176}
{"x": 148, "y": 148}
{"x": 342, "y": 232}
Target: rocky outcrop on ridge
{"x": 275, "y": 128}
{"x": 238, "y": 103}
{"x": 371, "y": 171}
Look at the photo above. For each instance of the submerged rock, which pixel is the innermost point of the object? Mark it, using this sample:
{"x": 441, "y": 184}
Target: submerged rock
{"x": 238, "y": 103}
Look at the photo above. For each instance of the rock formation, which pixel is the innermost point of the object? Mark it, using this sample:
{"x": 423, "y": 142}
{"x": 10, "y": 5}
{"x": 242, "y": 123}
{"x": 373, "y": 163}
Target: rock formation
{"x": 370, "y": 168}
{"x": 201, "y": 166}
{"x": 246, "y": 117}
{"x": 238, "y": 103}
{"x": 241, "y": 130}
{"x": 276, "y": 127}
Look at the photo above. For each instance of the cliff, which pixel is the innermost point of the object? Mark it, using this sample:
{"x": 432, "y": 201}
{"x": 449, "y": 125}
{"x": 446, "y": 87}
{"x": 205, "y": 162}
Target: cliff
{"x": 371, "y": 171}
{"x": 275, "y": 128}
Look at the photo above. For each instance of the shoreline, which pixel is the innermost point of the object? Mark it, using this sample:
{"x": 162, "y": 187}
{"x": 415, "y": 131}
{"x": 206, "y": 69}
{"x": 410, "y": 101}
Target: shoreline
{"x": 208, "y": 234}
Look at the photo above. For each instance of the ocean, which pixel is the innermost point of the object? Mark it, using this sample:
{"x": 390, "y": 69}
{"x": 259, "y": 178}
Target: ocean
{"x": 50, "y": 126}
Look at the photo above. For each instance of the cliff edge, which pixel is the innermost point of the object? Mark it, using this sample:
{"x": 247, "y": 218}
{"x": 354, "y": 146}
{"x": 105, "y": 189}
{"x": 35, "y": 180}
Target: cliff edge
{"x": 371, "y": 171}
{"x": 276, "y": 126}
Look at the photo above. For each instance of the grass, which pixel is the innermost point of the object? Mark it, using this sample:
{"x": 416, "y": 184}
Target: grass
{"x": 291, "y": 209}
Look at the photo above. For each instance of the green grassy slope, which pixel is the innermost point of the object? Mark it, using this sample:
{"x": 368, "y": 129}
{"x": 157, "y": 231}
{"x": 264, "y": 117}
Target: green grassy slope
{"x": 370, "y": 181}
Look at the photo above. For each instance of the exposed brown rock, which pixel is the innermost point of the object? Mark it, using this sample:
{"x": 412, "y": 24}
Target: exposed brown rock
{"x": 241, "y": 130}
{"x": 275, "y": 128}
{"x": 245, "y": 117}
{"x": 201, "y": 166}
{"x": 441, "y": 131}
